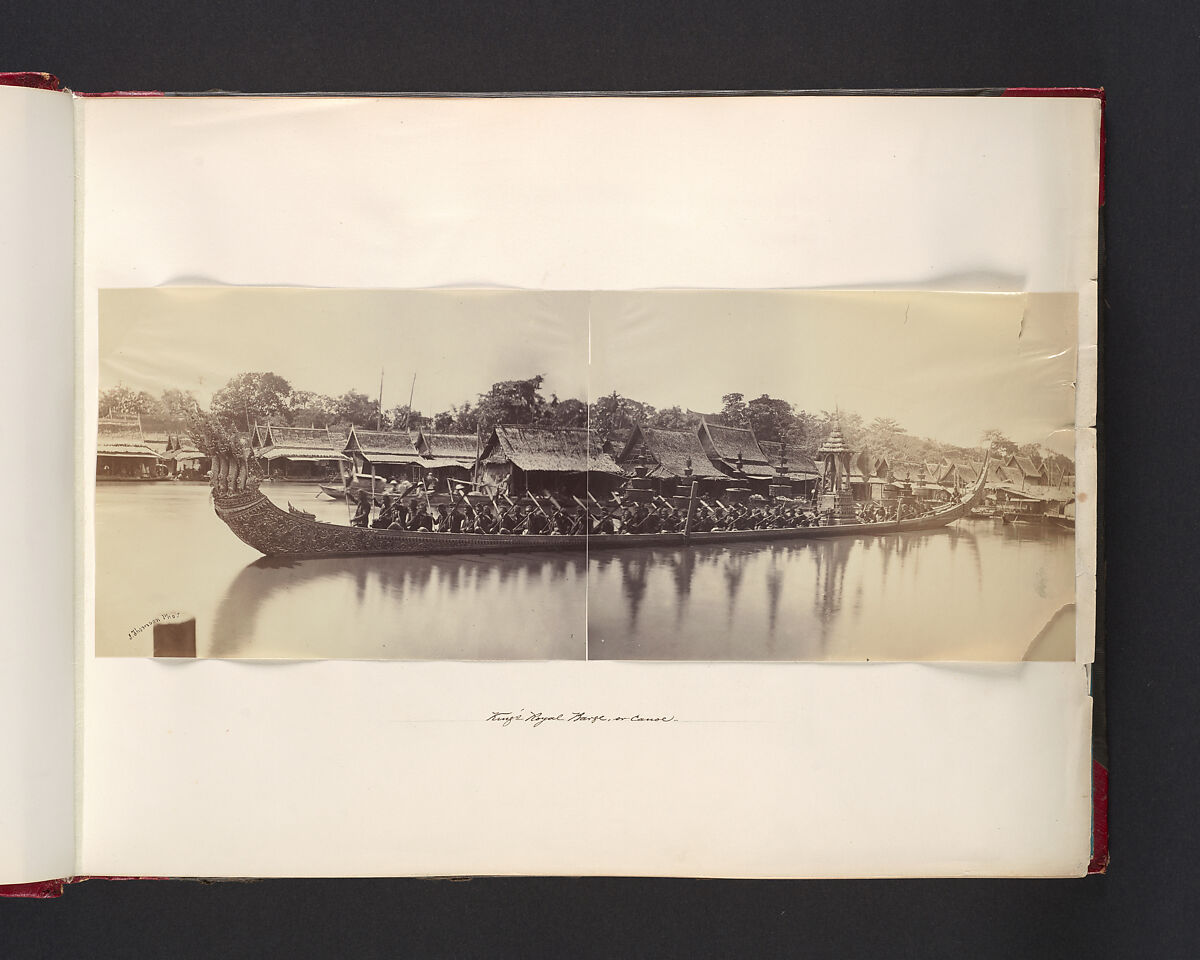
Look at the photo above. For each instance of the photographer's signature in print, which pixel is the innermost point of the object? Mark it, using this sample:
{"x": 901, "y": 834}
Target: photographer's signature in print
{"x": 168, "y": 617}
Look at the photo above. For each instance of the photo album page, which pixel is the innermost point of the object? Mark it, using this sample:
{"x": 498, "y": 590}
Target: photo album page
{"x": 677, "y": 486}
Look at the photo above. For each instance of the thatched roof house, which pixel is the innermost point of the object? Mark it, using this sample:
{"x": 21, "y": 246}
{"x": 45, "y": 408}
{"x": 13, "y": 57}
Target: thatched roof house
{"x": 180, "y": 447}
{"x": 909, "y": 471}
{"x": 121, "y": 436}
{"x": 299, "y": 444}
{"x": 183, "y": 454}
{"x": 339, "y": 437}
{"x": 296, "y": 453}
{"x": 871, "y": 466}
{"x": 1043, "y": 481}
{"x": 1059, "y": 474}
{"x": 874, "y": 477}
{"x": 157, "y": 432}
{"x": 615, "y": 441}
{"x": 962, "y": 473}
{"x": 668, "y": 454}
{"x": 1009, "y": 492}
{"x": 938, "y": 472}
{"x": 854, "y": 475}
{"x": 864, "y": 463}
{"x": 799, "y": 466}
{"x": 996, "y": 474}
{"x": 549, "y": 449}
{"x": 448, "y": 449}
{"x": 734, "y": 450}
{"x": 121, "y": 449}
{"x": 772, "y": 450}
{"x": 1030, "y": 472}
{"x": 390, "y": 453}
{"x": 533, "y": 458}
{"x": 449, "y": 454}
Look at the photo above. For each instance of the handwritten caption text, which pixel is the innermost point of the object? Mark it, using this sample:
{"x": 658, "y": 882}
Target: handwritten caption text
{"x": 508, "y": 717}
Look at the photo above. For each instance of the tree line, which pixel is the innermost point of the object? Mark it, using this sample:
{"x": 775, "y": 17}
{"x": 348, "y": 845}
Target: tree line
{"x": 261, "y": 397}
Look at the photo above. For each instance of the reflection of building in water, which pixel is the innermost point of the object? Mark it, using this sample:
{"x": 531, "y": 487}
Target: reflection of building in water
{"x": 633, "y": 583}
{"x": 963, "y": 535}
{"x": 733, "y": 569}
{"x": 683, "y": 570}
{"x": 778, "y": 598}
{"x": 864, "y": 547}
{"x": 885, "y": 555}
{"x": 967, "y": 536}
{"x": 774, "y": 581}
{"x": 832, "y": 557}
{"x": 900, "y": 596}
{"x": 360, "y": 583}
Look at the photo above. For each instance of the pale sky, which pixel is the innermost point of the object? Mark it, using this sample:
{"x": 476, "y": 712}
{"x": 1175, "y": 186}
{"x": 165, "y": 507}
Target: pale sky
{"x": 329, "y": 341}
{"x": 945, "y": 365}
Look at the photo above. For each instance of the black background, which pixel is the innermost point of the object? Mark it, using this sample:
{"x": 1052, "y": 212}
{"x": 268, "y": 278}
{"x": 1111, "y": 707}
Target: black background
{"x": 1146, "y": 56}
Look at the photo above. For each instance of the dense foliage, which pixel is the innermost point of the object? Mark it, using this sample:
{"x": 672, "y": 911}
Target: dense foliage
{"x": 259, "y": 397}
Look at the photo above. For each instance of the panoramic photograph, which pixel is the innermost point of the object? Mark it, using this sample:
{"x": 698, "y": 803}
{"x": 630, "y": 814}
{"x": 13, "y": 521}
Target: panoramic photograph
{"x": 652, "y": 475}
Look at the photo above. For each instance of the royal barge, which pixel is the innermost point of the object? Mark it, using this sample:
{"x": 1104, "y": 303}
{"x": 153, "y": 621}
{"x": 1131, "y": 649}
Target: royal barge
{"x": 276, "y": 532}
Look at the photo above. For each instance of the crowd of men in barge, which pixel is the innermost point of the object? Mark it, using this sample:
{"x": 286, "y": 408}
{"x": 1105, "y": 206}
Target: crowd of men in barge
{"x": 550, "y": 518}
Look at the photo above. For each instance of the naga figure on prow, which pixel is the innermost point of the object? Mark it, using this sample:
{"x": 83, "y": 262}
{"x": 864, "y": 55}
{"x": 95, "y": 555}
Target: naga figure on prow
{"x": 233, "y": 472}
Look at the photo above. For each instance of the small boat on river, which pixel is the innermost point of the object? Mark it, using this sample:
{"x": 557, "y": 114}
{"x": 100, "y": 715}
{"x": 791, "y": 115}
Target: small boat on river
{"x": 356, "y": 484}
{"x": 379, "y": 490}
{"x": 353, "y": 486}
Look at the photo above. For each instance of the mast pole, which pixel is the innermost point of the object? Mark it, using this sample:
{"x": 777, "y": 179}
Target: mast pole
{"x": 379, "y": 412}
{"x": 411, "y": 391}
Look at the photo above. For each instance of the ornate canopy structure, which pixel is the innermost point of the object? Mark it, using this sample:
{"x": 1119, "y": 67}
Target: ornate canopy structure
{"x": 836, "y": 497}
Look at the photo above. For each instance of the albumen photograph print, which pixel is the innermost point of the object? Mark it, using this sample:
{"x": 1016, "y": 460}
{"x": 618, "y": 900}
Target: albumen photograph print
{"x": 517, "y": 475}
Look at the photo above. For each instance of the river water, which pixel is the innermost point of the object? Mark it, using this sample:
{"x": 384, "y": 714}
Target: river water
{"x": 978, "y": 590}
